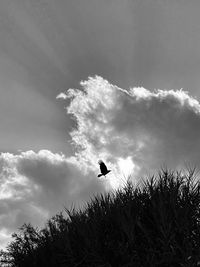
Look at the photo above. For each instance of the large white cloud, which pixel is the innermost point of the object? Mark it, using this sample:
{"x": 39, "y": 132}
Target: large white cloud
{"x": 150, "y": 129}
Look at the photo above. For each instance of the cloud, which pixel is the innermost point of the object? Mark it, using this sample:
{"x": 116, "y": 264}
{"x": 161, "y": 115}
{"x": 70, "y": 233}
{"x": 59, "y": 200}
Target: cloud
{"x": 150, "y": 129}
{"x": 61, "y": 96}
{"x": 35, "y": 186}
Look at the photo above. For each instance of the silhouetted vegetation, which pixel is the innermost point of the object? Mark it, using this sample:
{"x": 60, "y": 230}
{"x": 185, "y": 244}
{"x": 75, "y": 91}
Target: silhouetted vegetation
{"x": 154, "y": 224}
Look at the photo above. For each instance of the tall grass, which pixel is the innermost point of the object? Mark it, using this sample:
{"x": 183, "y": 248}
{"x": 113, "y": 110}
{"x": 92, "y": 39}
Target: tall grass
{"x": 154, "y": 224}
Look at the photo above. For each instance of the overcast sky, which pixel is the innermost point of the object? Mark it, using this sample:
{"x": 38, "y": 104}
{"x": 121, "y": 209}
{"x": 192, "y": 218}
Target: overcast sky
{"x": 132, "y": 114}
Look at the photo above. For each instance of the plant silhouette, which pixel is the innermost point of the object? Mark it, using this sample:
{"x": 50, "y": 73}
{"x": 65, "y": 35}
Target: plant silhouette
{"x": 154, "y": 224}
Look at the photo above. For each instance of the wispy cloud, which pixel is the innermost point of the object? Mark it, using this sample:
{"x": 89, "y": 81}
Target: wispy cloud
{"x": 61, "y": 96}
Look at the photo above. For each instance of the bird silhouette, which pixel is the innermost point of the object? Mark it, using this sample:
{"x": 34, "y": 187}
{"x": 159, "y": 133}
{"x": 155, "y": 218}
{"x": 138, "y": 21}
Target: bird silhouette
{"x": 103, "y": 168}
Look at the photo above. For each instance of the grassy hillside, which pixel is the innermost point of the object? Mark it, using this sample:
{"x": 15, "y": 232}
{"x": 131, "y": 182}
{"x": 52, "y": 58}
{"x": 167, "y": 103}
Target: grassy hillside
{"x": 156, "y": 224}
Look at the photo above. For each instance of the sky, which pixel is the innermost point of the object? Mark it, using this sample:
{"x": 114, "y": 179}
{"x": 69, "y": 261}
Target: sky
{"x": 85, "y": 80}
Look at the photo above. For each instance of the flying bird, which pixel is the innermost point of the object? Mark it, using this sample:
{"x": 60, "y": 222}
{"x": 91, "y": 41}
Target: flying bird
{"x": 103, "y": 168}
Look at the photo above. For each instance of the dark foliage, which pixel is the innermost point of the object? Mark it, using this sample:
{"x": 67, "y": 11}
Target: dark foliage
{"x": 154, "y": 224}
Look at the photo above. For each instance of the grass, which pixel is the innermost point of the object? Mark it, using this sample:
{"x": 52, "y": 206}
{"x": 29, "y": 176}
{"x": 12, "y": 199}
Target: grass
{"x": 154, "y": 224}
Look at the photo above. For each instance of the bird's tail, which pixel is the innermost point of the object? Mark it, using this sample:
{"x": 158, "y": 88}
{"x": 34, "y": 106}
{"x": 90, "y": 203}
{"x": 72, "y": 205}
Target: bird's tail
{"x": 99, "y": 175}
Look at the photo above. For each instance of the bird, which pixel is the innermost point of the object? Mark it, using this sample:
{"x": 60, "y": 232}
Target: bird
{"x": 103, "y": 168}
